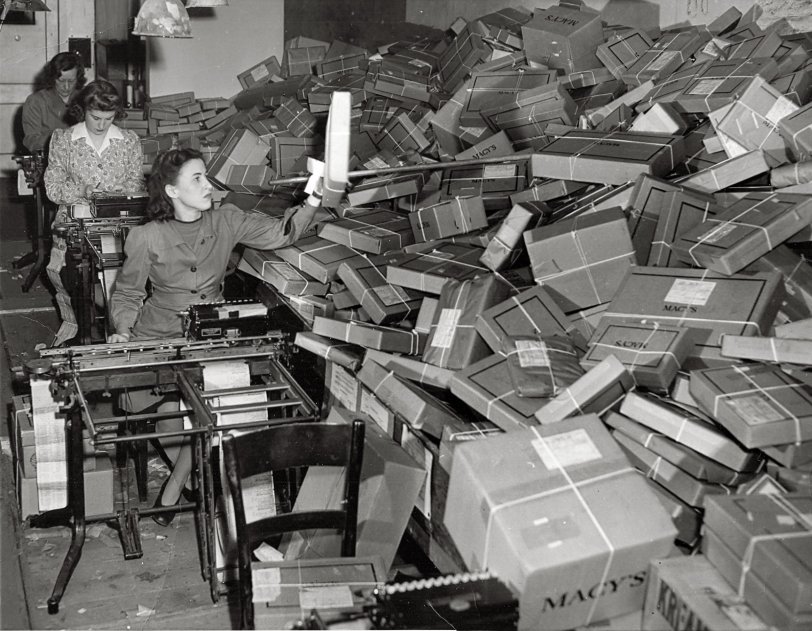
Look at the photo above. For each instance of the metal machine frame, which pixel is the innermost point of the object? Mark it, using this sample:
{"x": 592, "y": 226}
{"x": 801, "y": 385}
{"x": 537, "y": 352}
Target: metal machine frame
{"x": 75, "y": 373}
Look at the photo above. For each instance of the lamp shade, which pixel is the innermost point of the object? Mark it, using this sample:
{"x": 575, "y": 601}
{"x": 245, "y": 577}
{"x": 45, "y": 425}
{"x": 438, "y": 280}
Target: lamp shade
{"x": 162, "y": 18}
{"x": 192, "y": 4}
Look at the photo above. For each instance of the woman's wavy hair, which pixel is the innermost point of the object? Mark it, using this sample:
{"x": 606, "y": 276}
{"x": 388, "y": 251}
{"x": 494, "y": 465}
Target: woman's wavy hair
{"x": 98, "y": 95}
{"x": 165, "y": 170}
{"x": 60, "y": 63}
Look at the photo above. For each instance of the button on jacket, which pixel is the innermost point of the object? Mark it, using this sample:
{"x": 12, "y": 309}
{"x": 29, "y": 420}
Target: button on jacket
{"x": 181, "y": 275}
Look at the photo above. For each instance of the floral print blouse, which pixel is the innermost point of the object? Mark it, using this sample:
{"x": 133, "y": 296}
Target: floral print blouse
{"x": 74, "y": 163}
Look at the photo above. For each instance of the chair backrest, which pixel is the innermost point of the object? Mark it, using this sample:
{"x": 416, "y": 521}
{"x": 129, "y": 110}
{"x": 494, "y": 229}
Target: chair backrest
{"x": 282, "y": 447}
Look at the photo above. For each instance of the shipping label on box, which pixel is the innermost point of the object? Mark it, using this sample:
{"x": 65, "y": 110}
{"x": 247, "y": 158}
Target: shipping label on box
{"x": 608, "y": 157}
{"x": 534, "y": 504}
{"x": 760, "y": 405}
{"x": 652, "y": 353}
{"x": 745, "y": 231}
{"x": 582, "y": 260}
{"x": 707, "y": 302}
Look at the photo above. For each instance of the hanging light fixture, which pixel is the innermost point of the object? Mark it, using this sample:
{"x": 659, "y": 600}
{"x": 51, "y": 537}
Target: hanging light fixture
{"x": 21, "y": 5}
{"x": 194, "y": 4}
{"x": 162, "y": 18}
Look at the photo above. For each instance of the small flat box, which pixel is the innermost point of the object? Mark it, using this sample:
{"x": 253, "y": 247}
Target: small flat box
{"x": 690, "y": 430}
{"x": 386, "y": 187}
{"x": 622, "y": 50}
{"x": 298, "y": 119}
{"x": 599, "y": 389}
{"x": 653, "y": 354}
{"x": 488, "y": 90}
{"x": 462, "y": 215}
{"x": 318, "y": 257}
{"x": 429, "y": 268}
{"x": 413, "y": 369}
{"x": 563, "y": 38}
{"x": 241, "y": 147}
{"x": 265, "y": 264}
{"x": 401, "y": 135}
{"x": 759, "y": 404}
{"x": 768, "y": 349}
{"x": 462, "y": 54}
{"x": 285, "y": 152}
{"x": 506, "y": 243}
{"x": 679, "y": 212}
{"x": 249, "y": 178}
{"x": 373, "y": 231}
{"x": 494, "y": 183}
{"x": 708, "y": 303}
{"x": 665, "y": 56}
{"x": 382, "y": 338}
{"x": 796, "y": 129}
{"x": 608, "y": 157}
{"x": 301, "y": 61}
{"x": 720, "y": 175}
{"x": 533, "y": 311}
{"x": 285, "y": 589}
{"x": 347, "y": 355}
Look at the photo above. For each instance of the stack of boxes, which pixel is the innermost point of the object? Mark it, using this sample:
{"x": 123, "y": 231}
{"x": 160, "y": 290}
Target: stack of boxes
{"x": 591, "y": 348}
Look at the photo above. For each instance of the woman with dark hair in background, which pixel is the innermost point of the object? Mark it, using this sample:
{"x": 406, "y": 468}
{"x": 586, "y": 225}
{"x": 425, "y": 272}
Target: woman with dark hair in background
{"x": 45, "y": 109}
{"x": 177, "y": 259}
{"x": 92, "y": 156}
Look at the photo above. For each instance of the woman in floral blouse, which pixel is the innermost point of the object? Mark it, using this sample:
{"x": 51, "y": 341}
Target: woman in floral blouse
{"x": 92, "y": 156}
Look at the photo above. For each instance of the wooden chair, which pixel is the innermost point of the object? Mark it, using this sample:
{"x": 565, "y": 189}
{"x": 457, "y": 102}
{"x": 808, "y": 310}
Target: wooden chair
{"x": 284, "y": 447}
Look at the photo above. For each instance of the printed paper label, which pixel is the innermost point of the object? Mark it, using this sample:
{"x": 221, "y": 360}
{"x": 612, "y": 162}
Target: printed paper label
{"x": 690, "y": 292}
{"x": 566, "y": 449}
{"x": 706, "y": 86}
{"x": 756, "y": 409}
{"x": 532, "y": 353}
{"x": 663, "y": 59}
{"x": 717, "y": 233}
{"x": 781, "y": 108}
{"x": 344, "y": 387}
{"x": 258, "y": 497}
{"x": 286, "y": 271}
{"x": 324, "y": 597}
{"x": 494, "y": 171}
{"x": 391, "y": 294}
{"x": 377, "y": 411}
{"x": 266, "y": 584}
{"x": 260, "y": 72}
{"x": 446, "y": 327}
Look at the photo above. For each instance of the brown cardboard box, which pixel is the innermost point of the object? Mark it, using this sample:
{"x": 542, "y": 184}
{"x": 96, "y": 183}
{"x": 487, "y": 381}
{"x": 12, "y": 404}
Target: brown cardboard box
{"x": 23, "y": 441}
{"x": 687, "y": 519}
{"x": 445, "y": 123}
{"x": 421, "y": 410}
{"x": 540, "y": 367}
{"x": 382, "y": 338}
{"x": 691, "y": 462}
{"x": 346, "y": 355}
{"x": 491, "y": 147}
{"x": 653, "y": 354}
{"x": 298, "y": 119}
{"x": 487, "y": 388}
{"x": 608, "y": 157}
{"x": 750, "y": 526}
{"x": 505, "y": 244}
{"x": 463, "y": 214}
{"x": 453, "y": 341}
{"x": 428, "y": 270}
{"x": 285, "y": 589}
{"x": 318, "y": 257}
{"x": 98, "y": 489}
{"x": 753, "y": 120}
{"x": 401, "y": 135}
{"x": 690, "y": 430}
{"x": 488, "y": 90}
{"x": 373, "y": 231}
{"x": 718, "y": 176}
{"x": 241, "y": 146}
{"x": 563, "y": 38}
{"x": 708, "y": 303}
{"x": 796, "y": 130}
{"x": 759, "y": 404}
{"x": 412, "y": 369}
{"x": 689, "y": 592}
{"x": 622, "y": 50}
{"x": 385, "y": 187}
{"x": 253, "y": 178}
{"x": 265, "y": 264}
{"x": 679, "y": 212}
{"x": 598, "y": 390}
{"x": 383, "y": 301}
{"x": 545, "y": 189}
{"x": 494, "y": 183}
{"x": 582, "y": 261}
{"x": 462, "y": 54}
{"x": 260, "y": 73}
{"x": 390, "y": 482}
{"x": 285, "y": 152}
{"x": 529, "y": 506}
{"x": 666, "y": 55}
{"x": 301, "y": 61}
{"x": 768, "y": 349}
{"x": 533, "y": 311}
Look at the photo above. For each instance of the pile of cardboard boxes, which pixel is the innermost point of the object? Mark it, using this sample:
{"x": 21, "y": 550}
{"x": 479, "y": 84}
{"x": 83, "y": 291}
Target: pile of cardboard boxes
{"x": 596, "y": 350}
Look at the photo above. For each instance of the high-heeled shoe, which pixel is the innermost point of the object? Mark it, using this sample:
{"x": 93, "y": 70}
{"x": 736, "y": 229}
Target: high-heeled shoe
{"x": 165, "y": 518}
